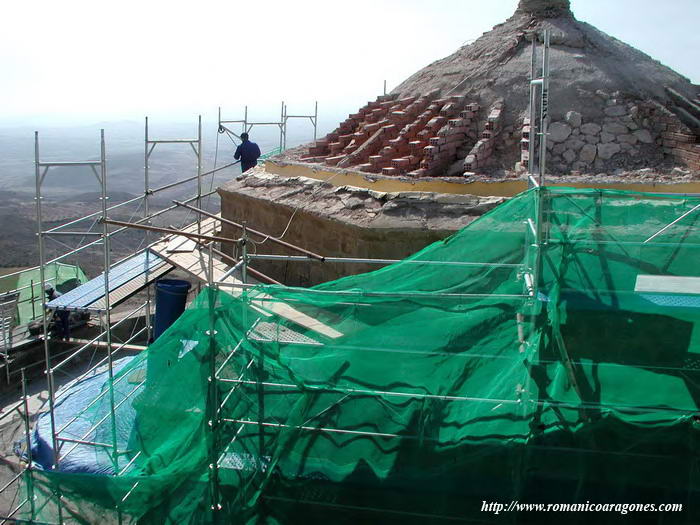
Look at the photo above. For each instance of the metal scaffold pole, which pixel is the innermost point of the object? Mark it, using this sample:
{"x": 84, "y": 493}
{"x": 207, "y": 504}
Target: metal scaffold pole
{"x": 315, "y": 119}
{"x": 199, "y": 171}
{"x": 544, "y": 107}
{"x": 147, "y": 235}
{"x": 42, "y": 278}
{"x": 533, "y": 107}
{"x": 107, "y": 312}
{"x": 282, "y": 126}
{"x": 28, "y": 444}
{"x": 213, "y": 405}
{"x": 539, "y": 129}
{"x": 40, "y": 174}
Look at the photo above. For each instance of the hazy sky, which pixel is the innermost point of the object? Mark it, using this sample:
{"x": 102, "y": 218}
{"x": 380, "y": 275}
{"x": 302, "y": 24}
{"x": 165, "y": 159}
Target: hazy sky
{"x": 98, "y": 60}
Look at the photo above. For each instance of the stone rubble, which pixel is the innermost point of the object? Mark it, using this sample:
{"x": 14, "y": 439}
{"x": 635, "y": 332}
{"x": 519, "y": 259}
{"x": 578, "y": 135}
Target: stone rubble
{"x": 610, "y": 107}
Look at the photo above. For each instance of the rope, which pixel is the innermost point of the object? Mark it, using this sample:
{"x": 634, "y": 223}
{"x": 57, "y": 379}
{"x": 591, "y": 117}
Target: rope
{"x": 216, "y": 159}
{"x": 291, "y": 218}
{"x": 219, "y": 131}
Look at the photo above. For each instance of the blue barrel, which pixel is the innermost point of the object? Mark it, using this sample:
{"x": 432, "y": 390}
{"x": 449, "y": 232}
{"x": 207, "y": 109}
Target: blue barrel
{"x": 171, "y": 297}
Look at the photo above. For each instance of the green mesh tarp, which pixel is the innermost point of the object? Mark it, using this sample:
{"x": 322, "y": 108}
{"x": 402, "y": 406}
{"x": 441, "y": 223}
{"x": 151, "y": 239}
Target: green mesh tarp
{"x": 62, "y": 277}
{"x": 548, "y": 352}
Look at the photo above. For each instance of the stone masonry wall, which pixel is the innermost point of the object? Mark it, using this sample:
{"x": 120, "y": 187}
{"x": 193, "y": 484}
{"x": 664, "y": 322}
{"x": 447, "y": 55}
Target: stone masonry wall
{"x": 428, "y": 136}
{"x": 319, "y": 235}
{"x": 631, "y": 133}
{"x": 340, "y": 221}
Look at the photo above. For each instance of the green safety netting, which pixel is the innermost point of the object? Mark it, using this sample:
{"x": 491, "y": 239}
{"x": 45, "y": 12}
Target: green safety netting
{"x": 548, "y": 352}
{"x": 271, "y": 153}
{"x": 62, "y": 277}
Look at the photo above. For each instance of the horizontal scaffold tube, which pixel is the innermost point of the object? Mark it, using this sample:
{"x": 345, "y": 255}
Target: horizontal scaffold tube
{"x": 363, "y": 260}
{"x": 194, "y": 177}
{"x": 236, "y": 263}
{"x": 168, "y": 231}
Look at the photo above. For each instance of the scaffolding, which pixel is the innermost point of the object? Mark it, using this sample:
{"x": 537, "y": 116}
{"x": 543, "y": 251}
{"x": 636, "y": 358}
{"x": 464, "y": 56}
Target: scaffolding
{"x": 248, "y": 125}
{"x": 539, "y": 83}
{"x": 381, "y": 396}
{"x": 256, "y": 400}
{"x": 118, "y": 281}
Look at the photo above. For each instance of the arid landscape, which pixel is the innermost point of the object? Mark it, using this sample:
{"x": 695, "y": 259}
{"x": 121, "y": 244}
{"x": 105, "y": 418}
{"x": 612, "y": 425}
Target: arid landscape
{"x": 69, "y": 193}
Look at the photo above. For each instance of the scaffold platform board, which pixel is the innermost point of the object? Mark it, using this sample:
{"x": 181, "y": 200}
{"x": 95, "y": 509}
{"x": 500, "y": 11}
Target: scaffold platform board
{"x": 125, "y": 279}
{"x": 188, "y": 256}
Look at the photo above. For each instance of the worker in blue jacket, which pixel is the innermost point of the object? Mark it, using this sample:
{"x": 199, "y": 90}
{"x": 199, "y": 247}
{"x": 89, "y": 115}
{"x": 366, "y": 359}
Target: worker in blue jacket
{"x": 248, "y": 152}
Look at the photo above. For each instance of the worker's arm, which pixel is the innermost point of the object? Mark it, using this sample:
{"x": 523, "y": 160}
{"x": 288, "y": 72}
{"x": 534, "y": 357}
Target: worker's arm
{"x": 237, "y": 155}
{"x": 257, "y": 151}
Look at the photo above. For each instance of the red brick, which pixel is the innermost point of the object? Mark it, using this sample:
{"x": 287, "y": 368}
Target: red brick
{"x": 400, "y": 163}
{"x": 388, "y": 152}
{"x": 680, "y": 137}
{"x": 335, "y": 147}
{"x": 448, "y": 109}
{"x": 470, "y": 163}
{"x": 390, "y": 171}
{"x": 494, "y": 115}
{"x": 430, "y": 151}
{"x": 312, "y": 159}
{"x": 332, "y": 161}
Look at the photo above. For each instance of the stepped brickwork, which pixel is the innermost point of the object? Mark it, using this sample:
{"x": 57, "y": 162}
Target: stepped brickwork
{"x": 415, "y": 136}
{"x": 611, "y": 107}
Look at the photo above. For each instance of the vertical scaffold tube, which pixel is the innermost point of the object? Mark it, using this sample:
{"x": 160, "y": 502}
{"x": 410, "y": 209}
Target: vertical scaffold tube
{"x": 533, "y": 107}
{"x": 544, "y": 107}
{"x": 147, "y": 236}
{"x": 199, "y": 172}
{"x": 107, "y": 312}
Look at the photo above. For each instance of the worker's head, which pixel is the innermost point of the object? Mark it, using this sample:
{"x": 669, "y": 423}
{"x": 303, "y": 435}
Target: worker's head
{"x": 244, "y": 136}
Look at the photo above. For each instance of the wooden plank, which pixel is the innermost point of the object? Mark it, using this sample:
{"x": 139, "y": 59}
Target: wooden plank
{"x": 180, "y": 245}
{"x": 196, "y": 264}
{"x": 667, "y": 284}
{"x": 103, "y": 344}
{"x": 294, "y": 315}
